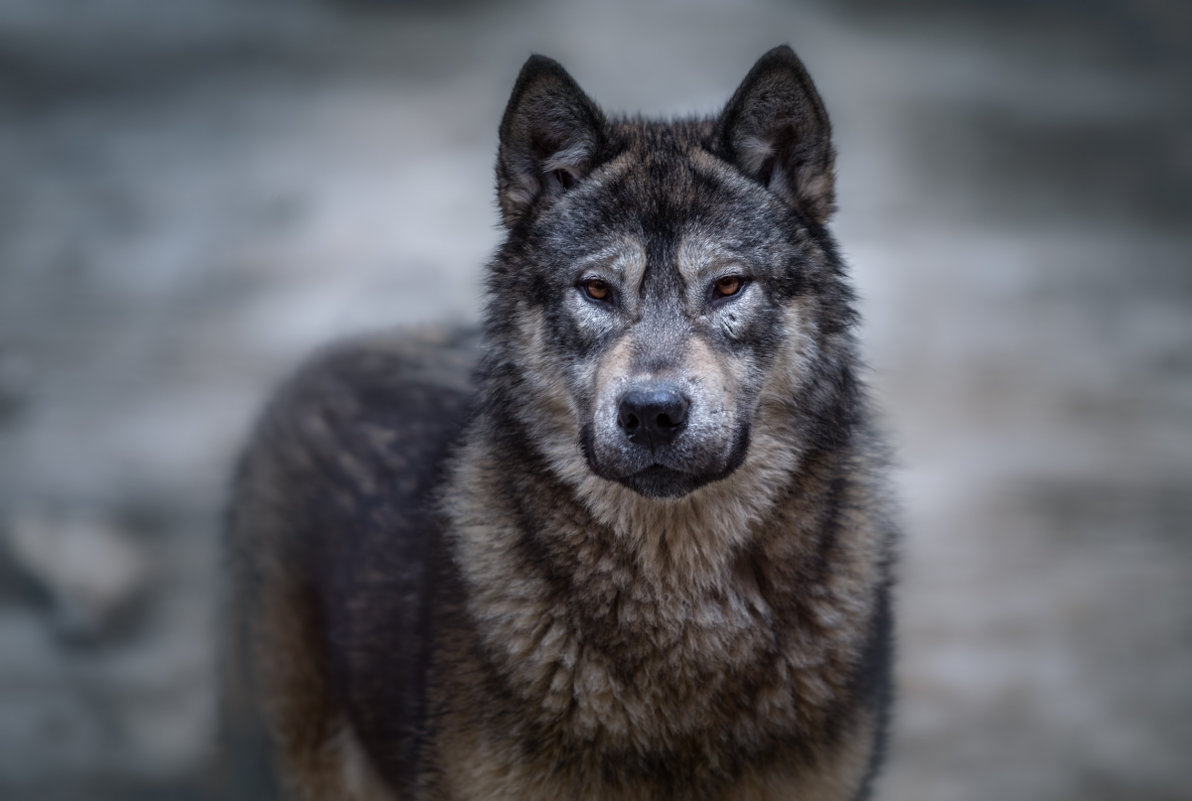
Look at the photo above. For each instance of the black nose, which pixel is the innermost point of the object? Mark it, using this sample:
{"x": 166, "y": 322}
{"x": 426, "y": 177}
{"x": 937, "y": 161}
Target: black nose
{"x": 652, "y": 417}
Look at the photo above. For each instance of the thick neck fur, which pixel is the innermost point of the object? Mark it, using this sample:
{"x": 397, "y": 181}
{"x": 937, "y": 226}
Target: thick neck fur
{"x": 601, "y": 607}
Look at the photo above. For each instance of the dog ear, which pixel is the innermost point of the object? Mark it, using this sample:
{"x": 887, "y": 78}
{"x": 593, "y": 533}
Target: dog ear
{"x": 550, "y": 133}
{"x": 775, "y": 129}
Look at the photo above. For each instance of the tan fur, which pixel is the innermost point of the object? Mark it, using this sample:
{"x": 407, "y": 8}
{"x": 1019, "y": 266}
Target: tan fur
{"x": 687, "y": 581}
{"x": 836, "y": 776}
{"x": 674, "y": 565}
{"x": 502, "y": 776}
{"x": 650, "y": 561}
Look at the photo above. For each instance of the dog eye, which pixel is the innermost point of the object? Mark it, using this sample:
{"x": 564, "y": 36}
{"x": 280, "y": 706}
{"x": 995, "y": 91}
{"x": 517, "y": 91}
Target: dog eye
{"x": 597, "y": 289}
{"x": 726, "y": 286}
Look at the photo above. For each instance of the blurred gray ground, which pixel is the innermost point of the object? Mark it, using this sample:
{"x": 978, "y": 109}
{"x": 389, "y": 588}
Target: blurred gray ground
{"x": 193, "y": 195}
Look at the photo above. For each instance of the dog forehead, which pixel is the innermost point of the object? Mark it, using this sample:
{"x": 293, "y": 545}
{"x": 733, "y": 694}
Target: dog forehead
{"x": 622, "y": 253}
{"x": 688, "y": 194}
{"x": 662, "y": 205}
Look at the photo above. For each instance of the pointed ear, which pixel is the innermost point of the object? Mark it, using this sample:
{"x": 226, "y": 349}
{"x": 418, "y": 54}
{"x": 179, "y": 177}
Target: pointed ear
{"x": 776, "y": 131}
{"x": 550, "y": 133}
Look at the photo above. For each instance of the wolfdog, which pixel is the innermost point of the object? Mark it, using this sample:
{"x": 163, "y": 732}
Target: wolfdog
{"x": 631, "y": 540}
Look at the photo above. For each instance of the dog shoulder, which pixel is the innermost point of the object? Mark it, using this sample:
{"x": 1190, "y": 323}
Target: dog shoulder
{"x": 333, "y": 525}
{"x": 366, "y": 408}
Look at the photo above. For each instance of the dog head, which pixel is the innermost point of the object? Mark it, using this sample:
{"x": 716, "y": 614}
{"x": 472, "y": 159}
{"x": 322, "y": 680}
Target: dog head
{"x": 667, "y": 293}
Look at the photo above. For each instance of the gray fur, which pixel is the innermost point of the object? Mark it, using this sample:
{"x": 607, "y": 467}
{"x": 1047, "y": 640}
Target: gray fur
{"x": 497, "y": 587}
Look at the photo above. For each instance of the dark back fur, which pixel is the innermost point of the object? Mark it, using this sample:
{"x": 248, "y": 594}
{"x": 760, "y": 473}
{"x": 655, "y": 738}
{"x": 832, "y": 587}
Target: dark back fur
{"x": 498, "y": 592}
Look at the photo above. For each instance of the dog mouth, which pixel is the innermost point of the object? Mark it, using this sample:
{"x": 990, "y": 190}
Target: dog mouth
{"x": 656, "y": 475}
{"x": 655, "y": 480}
{"x": 660, "y": 481}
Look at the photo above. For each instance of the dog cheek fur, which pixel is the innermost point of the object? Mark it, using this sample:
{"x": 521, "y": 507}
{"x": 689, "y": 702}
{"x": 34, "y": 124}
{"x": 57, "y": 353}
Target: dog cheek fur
{"x": 539, "y": 396}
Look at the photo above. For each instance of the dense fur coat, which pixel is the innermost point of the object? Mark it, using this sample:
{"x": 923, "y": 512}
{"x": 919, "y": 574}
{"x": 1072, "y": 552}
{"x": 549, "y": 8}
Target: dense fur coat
{"x": 644, "y": 553}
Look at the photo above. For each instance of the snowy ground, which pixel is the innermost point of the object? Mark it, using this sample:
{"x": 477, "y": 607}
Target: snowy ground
{"x": 194, "y": 195}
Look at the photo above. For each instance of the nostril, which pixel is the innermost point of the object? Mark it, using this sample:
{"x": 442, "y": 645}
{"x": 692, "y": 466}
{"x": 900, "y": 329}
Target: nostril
{"x": 653, "y": 416}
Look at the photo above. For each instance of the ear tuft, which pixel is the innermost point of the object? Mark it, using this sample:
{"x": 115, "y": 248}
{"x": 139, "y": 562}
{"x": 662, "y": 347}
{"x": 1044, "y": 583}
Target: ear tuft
{"x": 776, "y": 131}
{"x": 550, "y": 133}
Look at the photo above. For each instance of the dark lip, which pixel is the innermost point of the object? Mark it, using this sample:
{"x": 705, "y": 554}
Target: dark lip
{"x": 658, "y": 470}
{"x": 660, "y": 481}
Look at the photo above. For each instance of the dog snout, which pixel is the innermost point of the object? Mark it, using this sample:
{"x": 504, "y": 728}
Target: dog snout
{"x": 652, "y": 417}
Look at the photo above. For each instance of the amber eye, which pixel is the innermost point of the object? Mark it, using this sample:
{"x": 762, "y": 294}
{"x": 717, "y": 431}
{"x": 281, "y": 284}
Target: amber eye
{"x": 597, "y": 289}
{"x": 728, "y": 285}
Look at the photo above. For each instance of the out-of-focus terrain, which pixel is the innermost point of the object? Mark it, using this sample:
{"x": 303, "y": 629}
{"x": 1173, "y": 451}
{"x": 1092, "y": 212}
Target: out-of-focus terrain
{"x": 192, "y": 196}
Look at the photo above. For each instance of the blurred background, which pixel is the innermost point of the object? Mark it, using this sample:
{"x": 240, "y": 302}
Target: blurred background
{"x": 195, "y": 194}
